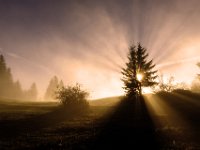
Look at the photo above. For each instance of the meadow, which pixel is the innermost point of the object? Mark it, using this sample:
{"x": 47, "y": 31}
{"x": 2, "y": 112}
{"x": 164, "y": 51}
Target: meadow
{"x": 158, "y": 121}
{"x": 32, "y": 125}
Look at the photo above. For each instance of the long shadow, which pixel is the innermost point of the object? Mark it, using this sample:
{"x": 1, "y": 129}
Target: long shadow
{"x": 129, "y": 127}
{"x": 13, "y": 128}
{"x": 186, "y": 105}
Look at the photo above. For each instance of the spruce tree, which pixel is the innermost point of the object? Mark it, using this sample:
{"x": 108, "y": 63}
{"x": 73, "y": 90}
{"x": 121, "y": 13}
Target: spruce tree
{"x": 31, "y": 94}
{"x": 138, "y": 72}
{"x": 2, "y": 65}
{"x": 129, "y": 73}
{"x": 196, "y": 82}
{"x": 51, "y": 89}
{"x": 33, "y": 91}
{"x": 3, "y": 69}
{"x": 61, "y": 84}
{"x": 6, "y": 79}
{"x": 11, "y": 89}
{"x": 17, "y": 91}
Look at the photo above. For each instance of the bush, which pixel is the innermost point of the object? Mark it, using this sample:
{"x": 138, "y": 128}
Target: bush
{"x": 72, "y": 97}
{"x": 182, "y": 91}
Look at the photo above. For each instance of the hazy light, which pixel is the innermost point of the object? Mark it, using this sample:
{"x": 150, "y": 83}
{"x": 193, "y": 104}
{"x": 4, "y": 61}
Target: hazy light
{"x": 147, "y": 90}
{"x": 158, "y": 106}
{"x": 88, "y": 43}
{"x": 139, "y": 76}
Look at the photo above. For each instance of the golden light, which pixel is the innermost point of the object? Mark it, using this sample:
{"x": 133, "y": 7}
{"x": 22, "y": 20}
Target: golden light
{"x": 139, "y": 76}
{"x": 166, "y": 119}
{"x": 147, "y": 90}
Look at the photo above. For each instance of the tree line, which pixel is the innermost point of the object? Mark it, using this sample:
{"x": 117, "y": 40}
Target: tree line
{"x": 10, "y": 89}
{"x": 139, "y": 72}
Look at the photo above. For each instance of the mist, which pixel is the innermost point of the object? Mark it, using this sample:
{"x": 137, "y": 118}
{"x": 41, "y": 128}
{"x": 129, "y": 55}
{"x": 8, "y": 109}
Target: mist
{"x": 107, "y": 74}
{"x": 87, "y": 41}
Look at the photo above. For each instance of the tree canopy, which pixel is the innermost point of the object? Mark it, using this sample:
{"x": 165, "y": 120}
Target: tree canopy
{"x": 72, "y": 96}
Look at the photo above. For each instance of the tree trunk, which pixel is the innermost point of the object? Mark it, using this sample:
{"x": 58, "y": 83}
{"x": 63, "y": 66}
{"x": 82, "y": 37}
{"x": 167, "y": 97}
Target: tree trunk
{"x": 140, "y": 89}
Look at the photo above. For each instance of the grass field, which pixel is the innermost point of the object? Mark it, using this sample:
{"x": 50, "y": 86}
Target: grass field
{"x": 161, "y": 121}
{"x": 27, "y": 125}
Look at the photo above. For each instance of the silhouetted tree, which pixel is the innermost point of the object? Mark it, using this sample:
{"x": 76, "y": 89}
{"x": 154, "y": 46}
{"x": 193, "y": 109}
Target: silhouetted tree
{"x": 183, "y": 86}
{"x": 139, "y": 71}
{"x": 32, "y": 92}
{"x": 61, "y": 84}
{"x": 195, "y": 85}
{"x": 72, "y": 96}
{"x": 196, "y": 82}
{"x": 3, "y": 67}
{"x": 198, "y": 64}
{"x": 129, "y": 73}
{"x": 6, "y": 79}
{"x": 53, "y": 86}
{"x": 18, "y": 93}
{"x": 3, "y": 70}
{"x": 168, "y": 85}
{"x": 11, "y": 89}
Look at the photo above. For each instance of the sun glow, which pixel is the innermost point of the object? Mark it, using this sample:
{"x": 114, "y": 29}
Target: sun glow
{"x": 147, "y": 90}
{"x": 139, "y": 76}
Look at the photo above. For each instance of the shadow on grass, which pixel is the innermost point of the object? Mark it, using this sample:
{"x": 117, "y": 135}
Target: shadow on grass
{"x": 13, "y": 128}
{"x": 130, "y": 126}
{"x": 187, "y": 106}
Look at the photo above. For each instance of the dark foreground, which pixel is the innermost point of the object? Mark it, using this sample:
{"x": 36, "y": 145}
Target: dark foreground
{"x": 130, "y": 125}
{"x": 162, "y": 121}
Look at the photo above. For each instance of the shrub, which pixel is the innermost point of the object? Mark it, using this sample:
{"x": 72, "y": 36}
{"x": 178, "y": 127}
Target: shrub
{"x": 72, "y": 96}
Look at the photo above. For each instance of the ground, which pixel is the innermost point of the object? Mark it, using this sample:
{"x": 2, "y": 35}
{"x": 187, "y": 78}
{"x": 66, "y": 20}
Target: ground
{"x": 160, "y": 121}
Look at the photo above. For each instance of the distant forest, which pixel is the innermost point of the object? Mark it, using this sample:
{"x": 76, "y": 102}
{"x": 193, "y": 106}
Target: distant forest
{"x": 10, "y": 89}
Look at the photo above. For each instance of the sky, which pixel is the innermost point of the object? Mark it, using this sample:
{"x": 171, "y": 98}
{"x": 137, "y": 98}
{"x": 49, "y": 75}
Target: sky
{"x": 87, "y": 41}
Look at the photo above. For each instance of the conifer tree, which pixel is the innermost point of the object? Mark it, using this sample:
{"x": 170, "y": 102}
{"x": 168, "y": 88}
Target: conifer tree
{"x": 61, "y": 84}
{"x": 2, "y": 64}
{"x": 196, "y": 82}
{"x": 138, "y": 72}
{"x": 51, "y": 89}
{"x": 11, "y": 89}
{"x": 34, "y": 91}
{"x": 198, "y": 64}
{"x": 2, "y": 75}
{"x": 6, "y": 80}
{"x": 129, "y": 73}
{"x": 17, "y": 91}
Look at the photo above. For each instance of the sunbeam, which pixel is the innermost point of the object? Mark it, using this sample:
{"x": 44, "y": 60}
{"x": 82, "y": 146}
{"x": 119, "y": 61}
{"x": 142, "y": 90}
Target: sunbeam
{"x": 90, "y": 35}
{"x": 174, "y": 117}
